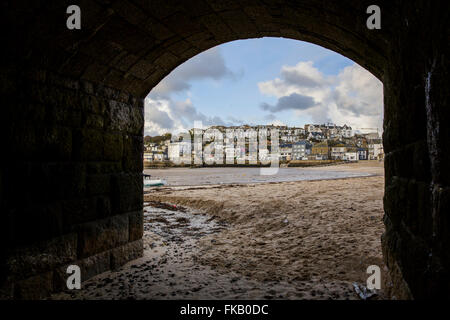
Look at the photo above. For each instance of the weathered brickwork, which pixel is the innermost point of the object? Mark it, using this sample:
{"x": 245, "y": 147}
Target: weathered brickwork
{"x": 416, "y": 240}
{"x": 72, "y": 115}
{"x": 74, "y": 183}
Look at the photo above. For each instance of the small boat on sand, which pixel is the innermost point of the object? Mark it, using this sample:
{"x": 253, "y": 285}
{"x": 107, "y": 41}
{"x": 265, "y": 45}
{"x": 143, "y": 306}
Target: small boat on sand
{"x": 148, "y": 182}
{"x": 154, "y": 183}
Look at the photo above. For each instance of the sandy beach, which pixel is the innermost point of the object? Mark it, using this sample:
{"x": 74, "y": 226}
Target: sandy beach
{"x": 272, "y": 240}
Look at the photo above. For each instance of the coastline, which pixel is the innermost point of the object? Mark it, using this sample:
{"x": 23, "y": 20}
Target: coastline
{"x": 176, "y": 177}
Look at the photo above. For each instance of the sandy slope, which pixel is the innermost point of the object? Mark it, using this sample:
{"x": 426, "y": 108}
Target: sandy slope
{"x": 328, "y": 230}
{"x": 297, "y": 240}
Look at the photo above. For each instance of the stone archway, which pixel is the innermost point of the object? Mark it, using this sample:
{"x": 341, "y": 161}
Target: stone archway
{"x": 73, "y": 111}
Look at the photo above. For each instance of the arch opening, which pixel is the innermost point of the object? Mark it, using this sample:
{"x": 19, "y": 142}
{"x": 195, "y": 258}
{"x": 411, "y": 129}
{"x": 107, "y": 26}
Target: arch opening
{"x": 271, "y": 234}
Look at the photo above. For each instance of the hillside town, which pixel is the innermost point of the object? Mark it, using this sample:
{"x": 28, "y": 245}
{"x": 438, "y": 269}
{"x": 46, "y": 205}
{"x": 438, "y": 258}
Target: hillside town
{"x": 312, "y": 142}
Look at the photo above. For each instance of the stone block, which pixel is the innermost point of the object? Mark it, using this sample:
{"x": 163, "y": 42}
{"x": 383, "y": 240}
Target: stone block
{"x": 133, "y": 150}
{"x": 136, "y": 223}
{"x": 88, "y": 145}
{"x": 142, "y": 69}
{"x": 87, "y": 87}
{"x": 98, "y": 184}
{"x": 95, "y": 264}
{"x": 124, "y": 116}
{"x": 117, "y": 116}
{"x": 394, "y": 198}
{"x": 103, "y": 206}
{"x": 398, "y": 289}
{"x": 126, "y": 253}
{"x": 442, "y": 196}
{"x": 34, "y": 223}
{"x": 422, "y": 205}
{"x": 137, "y": 119}
{"x": 166, "y": 61}
{"x": 56, "y": 180}
{"x": 102, "y": 235}
{"x": 72, "y": 176}
{"x": 92, "y": 104}
{"x": 113, "y": 147}
{"x": 156, "y": 29}
{"x": 55, "y": 143}
{"x": 127, "y": 62}
{"x": 104, "y": 167}
{"x": 408, "y": 203}
{"x": 36, "y": 287}
{"x": 127, "y": 193}
{"x": 42, "y": 257}
{"x": 95, "y": 72}
{"x": 410, "y": 160}
{"x": 93, "y": 121}
{"x": 114, "y": 78}
{"x": 76, "y": 211}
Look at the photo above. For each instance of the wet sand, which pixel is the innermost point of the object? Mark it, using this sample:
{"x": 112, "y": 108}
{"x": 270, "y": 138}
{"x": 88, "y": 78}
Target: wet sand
{"x": 285, "y": 240}
{"x": 223, "y": 176}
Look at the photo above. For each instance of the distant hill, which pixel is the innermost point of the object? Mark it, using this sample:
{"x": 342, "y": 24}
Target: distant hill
{"x": 157, "y": 139}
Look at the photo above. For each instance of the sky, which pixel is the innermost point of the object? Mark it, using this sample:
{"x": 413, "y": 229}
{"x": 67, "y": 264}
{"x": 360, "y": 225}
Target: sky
{"x": 265, "y": 81}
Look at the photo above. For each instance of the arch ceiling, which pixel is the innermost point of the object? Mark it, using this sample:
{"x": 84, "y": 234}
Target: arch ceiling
{"x": 132, "y": 45}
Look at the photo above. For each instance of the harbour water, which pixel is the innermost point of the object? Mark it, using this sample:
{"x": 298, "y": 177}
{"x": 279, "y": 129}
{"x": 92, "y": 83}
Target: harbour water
{"x": 218, "y": 176}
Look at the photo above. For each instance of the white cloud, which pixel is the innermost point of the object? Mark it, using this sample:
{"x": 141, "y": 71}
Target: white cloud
{"x": 209, "y": 64}
{"x": 164, "y": 114}
{"x": 302, "y": 79}
{"x": 158, "y": 117}
{"x": 354, "y": 96}
{"x": 303, "y": 74}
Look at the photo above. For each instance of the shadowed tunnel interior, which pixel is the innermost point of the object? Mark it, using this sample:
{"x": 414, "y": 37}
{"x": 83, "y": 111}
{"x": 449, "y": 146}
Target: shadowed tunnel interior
{"x": 73, "y": 124}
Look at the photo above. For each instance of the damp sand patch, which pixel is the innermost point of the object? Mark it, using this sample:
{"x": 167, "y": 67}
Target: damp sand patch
{"x": 176, "y": 223}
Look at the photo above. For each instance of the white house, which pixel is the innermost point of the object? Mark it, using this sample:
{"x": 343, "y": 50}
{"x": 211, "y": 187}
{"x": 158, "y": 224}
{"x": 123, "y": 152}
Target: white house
{"x": 351, "y": 156}
{"x": 286, "y": 152}
{"x": 362, "y": 154}
{"x": 158, "y": 157}
{"x": 176, "y": 150}
{"x": 375, "y": 151}
{"x": 338, "y": 152}
{"x": 148, "y": 156}
{"x": 301, "y": 149}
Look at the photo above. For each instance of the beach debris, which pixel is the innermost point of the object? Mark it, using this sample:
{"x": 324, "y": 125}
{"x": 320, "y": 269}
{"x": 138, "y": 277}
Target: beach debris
{"x": 167, "y": 206}
{"x": 286, "y": 221}
{"x": 363, "y": 292}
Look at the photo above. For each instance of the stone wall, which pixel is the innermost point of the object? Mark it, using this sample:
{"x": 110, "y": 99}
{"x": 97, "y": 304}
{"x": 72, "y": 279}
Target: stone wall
{"x": 72, "y": 118}
{"x": 416, "y": 131}
{"x": 73, "y": 182}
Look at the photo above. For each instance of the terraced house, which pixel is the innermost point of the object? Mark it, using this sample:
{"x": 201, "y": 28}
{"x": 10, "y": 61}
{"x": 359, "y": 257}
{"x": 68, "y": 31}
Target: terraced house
{"x": 321, "y": 150}
{"x": 301, "y": 149}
